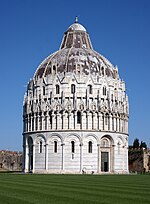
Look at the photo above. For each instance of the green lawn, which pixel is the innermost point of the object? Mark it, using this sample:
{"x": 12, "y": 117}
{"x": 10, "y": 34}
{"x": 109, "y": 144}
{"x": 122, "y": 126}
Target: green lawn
{"x": 79, "y": 189}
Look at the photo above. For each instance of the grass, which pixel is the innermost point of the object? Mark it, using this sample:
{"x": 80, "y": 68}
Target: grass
{"x": 79, "y": 189}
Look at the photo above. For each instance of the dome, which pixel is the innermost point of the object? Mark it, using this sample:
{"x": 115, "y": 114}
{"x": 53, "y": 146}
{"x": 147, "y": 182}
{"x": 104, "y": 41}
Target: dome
{"x": 76, "y": 55}
{"x": 76, "y": 26}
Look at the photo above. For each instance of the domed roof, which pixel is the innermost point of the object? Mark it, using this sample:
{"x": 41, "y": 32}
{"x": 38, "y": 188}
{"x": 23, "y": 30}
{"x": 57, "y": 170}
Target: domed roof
{"x": 76, "y": 26}
{"x": 76, "y": 55}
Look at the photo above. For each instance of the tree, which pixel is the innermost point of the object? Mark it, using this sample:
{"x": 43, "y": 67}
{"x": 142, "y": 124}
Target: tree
{"x": 136, "y": 143}
{"x": 143, "y": 144}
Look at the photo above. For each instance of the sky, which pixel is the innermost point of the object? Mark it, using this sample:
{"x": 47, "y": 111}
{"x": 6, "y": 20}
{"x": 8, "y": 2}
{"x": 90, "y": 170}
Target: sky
{"x": 30, "y": 30}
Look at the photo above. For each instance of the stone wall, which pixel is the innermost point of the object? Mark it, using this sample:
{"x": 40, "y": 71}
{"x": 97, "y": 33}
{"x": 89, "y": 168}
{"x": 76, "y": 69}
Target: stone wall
{"x": 10, "y": 160}
{"x": 139, "y": 159}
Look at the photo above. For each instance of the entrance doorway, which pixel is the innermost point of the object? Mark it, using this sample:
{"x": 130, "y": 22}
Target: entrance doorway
{"x": 104, "y": 161}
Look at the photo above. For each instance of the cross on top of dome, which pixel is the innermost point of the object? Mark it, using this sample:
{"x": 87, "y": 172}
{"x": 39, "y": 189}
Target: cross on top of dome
{"x": 76, "y": 19}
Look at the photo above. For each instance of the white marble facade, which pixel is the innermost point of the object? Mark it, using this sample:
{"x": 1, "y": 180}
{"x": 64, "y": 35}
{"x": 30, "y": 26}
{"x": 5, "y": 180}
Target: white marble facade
{"x": 75, "y": 112}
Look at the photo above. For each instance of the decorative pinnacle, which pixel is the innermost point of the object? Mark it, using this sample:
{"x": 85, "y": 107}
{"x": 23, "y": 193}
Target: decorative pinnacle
{"x": 76, "y": 19}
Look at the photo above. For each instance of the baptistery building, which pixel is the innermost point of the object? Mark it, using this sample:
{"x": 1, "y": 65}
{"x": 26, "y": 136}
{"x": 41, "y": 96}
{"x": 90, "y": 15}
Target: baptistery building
{"x": 75, "y": 112}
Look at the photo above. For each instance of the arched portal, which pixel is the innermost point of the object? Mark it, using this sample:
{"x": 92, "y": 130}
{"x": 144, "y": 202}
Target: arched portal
{"x": 106, "y": 154}
{"x": 105, "y": 161}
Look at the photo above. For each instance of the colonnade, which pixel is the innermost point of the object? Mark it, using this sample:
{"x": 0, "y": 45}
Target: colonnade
{"x": 66, "y": 120}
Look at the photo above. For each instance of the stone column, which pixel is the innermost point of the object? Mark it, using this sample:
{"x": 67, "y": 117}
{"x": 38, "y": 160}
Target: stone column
{"x": 114, "y": 123}
{"x": 46, "y": 121}
{"x": 81, "y": 158}
{"x": 103, "y": 119}
{"x": 87, "y": 120}
{"x": 31, "y": 123}
{"x": 24, "y": 124}
{"x": 94, "y": 121}
{"x": 127, "y": 126}
{"x": 42, "y": 120}
{"x": 75, "y": 119}
{"x": 53, "y": 121}
{"x": 63, "y": 120}
{"x": 112, "y": 118}
{"x": 118, "y": 124}
{"x": 66, "y": 121}
{"x": 123, "y": 159}
{"x": 37, "y": 121}
{"x": 56, "y": 120}
{"x": 98, "y": 158}
{"x": 59, "y": 122}
{"x": 34, "y": 116}
{"x": 33, "y": 170}
{"x": 121, "y": 124}
{"x": 98, "y": 120}
{"x": 69, "y": 120}
{"x": 26, "y": 158}
{"x": 81, "y": 124}
{"x": 110, "y": 122}
{"x": 46, "y": 157}
{"x": 124, "y": 125}
{"x": 62, "y": 166}
{"x": 90, "y": 121}
{"x": 28, "y": 123}
{"x": 112, "y": 152}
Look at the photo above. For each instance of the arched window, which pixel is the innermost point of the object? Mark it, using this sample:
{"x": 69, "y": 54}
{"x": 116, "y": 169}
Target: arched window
{"x": 50, "y": 119}
{"x": 112, "y": 97}
{"x": 90, "y": 147}
{"x": 104, "y": 91}
{"x": 40, "y": 150}
{"x": 40, "y": 121}
{"x": 106, "y": 119}
{"x": 32, "y": 123}
{"x": 29, "y": 123}
{"x": 115, "y": 93}
{"x": 55, "y": 146}
{"x": 72, "y": 147}
{"x": 43, "y": 90}
{"x": 54, "y": 69}
{"x": 112, "y": 123}
{"x": 90, "y": 89}
{"x": 79, "y": 117}
{"x": 102, "y": 70}
{"x": 105, "y": 143}
{"x": 73, "y": 88}
{"x": 57, "y": 89}
{"x": 116, "y": 124}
